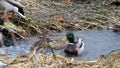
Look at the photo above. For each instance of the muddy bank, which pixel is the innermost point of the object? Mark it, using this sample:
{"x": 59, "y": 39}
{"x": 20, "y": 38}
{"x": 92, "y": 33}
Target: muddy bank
{"x": 60, "y": 16}
{"x": 56, "y": 17}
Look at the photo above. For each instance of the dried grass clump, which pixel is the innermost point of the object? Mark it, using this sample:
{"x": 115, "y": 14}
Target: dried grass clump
{"x": 40, "y": 60}
{"x": 75, "y": 16}
{"x": 109, "y": 61}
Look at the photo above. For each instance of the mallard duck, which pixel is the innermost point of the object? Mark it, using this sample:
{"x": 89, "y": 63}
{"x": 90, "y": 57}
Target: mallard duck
{"x": 1, "y": 36}
{"x": 116, "y": 28}
{"x": 14, "y": 6}
{"x": 2, "y": 23}
{"x": 73, "y": 47}
{"x": 9, "y": 26}
{"x": 56, "y": 43}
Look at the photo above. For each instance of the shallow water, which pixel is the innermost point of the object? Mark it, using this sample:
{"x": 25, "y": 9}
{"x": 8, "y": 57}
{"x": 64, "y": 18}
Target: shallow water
{"x": 22, "y": 48}
{"x": 96, "y": 43}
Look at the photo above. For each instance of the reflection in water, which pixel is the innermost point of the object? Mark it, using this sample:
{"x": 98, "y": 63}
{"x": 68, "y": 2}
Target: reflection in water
{"x": 96, "y": 43}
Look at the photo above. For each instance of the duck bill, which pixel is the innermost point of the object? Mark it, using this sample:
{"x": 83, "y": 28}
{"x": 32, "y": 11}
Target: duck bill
{"x": 65, "y": 38}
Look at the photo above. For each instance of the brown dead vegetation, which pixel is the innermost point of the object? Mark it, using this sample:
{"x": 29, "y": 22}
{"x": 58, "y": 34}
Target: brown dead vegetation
{"x": 42, "y": 17}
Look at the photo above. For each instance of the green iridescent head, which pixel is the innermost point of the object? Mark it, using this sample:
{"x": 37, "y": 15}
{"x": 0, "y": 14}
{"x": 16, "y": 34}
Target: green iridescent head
{"x": 70, "y": 37}
{"x": 1, "y": 21}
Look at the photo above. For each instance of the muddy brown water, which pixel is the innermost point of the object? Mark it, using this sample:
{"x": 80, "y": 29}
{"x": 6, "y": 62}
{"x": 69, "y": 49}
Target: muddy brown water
{"x": 97, "y": 43}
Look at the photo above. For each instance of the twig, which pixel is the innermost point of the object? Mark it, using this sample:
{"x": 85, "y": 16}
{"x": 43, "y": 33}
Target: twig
{"x": 52, "y": 51}
{"x": 102, "y": 56}
{"x": 112, "y": 52}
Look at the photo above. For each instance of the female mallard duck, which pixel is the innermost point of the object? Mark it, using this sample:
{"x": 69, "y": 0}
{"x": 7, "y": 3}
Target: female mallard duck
{"x": 53, "y": 43}
{"x": 14, "y": 6}
{"x": 56, "y": 43}
{"x": 73, "y": 47}
{"x": 116, "y": 28}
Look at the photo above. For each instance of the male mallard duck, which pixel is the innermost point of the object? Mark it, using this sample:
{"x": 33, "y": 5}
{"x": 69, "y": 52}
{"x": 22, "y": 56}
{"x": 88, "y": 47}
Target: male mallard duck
{"x": 1, "y": 39}
{"x": 2, "y": 22}
{"x": 14, "y": 6}
{"x": 74, "y": 47}
{"x": 9, "y": 26}
{"x": 1, "y": 36}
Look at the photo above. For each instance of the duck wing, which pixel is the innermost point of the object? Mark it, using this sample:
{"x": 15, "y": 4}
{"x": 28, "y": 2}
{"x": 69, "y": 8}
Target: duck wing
{"x": 79, "y": 43}
{"x": 15, "y": 3}
{"x": 82, "y": 43}
{"x": 70, "y": 48}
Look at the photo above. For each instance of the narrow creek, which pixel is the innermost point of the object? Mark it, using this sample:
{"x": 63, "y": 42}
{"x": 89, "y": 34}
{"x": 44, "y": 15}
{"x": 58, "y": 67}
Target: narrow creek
{"x": 97, "y": 42}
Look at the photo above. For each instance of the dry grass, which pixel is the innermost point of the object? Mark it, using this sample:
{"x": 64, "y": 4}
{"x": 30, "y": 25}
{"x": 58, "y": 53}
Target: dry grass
{"x": 76, "y": 16}
{"x": 44, "y": 61}
{"x": 44, "y": 15}
{"x": 41, "y": 16}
